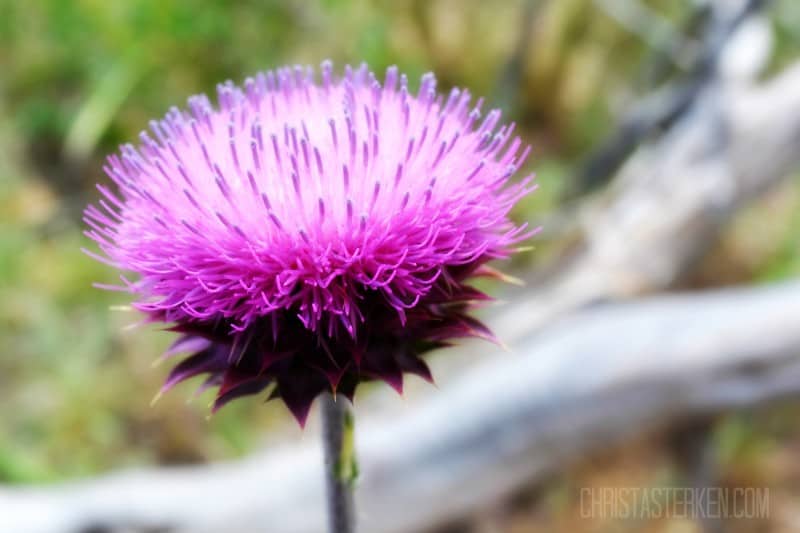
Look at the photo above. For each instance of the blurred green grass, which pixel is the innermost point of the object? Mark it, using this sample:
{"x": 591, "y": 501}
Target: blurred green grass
{"x": 78, "y": 78}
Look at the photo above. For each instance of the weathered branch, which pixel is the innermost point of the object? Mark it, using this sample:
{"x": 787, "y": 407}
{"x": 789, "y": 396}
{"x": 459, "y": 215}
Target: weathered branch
{"x": 662, "y": 108}
{"x": 671, "y": 200}
{"x": 559, "y": 394}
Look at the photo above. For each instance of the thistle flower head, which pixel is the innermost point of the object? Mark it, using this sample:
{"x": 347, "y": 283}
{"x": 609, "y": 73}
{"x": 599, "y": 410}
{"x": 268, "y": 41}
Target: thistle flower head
{"x": 311, "y": 233}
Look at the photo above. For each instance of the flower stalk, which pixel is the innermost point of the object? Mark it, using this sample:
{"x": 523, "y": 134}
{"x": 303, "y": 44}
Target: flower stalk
{"x": 341, "y": 470}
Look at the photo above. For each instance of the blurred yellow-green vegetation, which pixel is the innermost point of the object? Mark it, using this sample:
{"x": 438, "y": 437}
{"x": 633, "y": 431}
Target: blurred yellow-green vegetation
{"x": 79, "y": 77}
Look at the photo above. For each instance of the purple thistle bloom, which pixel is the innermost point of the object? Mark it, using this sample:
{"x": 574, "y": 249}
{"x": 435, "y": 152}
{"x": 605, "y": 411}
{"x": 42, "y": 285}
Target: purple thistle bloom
{"x": 312, "y": 234}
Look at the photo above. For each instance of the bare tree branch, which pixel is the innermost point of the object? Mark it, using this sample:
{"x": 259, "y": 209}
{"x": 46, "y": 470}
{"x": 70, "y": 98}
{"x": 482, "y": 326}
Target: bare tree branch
{"x": 560, "y": 394}
{"x": 662, "y": 108}
{"x": 671, "y": 200}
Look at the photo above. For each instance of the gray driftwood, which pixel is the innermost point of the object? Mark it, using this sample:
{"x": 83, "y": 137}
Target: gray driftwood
{"x": 593, "y": 379}
{"x": 672, "y": 198}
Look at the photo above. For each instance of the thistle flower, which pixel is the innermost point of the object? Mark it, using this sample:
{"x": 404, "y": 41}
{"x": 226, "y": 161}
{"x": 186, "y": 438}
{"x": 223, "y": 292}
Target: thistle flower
{"x": 309, "y": 234}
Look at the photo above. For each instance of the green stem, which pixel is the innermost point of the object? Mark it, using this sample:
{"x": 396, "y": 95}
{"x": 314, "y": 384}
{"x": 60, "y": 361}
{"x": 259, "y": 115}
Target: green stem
{"x": 341, "y": 470}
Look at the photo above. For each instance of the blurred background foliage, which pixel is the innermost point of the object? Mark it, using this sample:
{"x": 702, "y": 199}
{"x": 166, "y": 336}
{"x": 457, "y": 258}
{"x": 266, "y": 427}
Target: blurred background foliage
{"x": 79, "y": 77}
